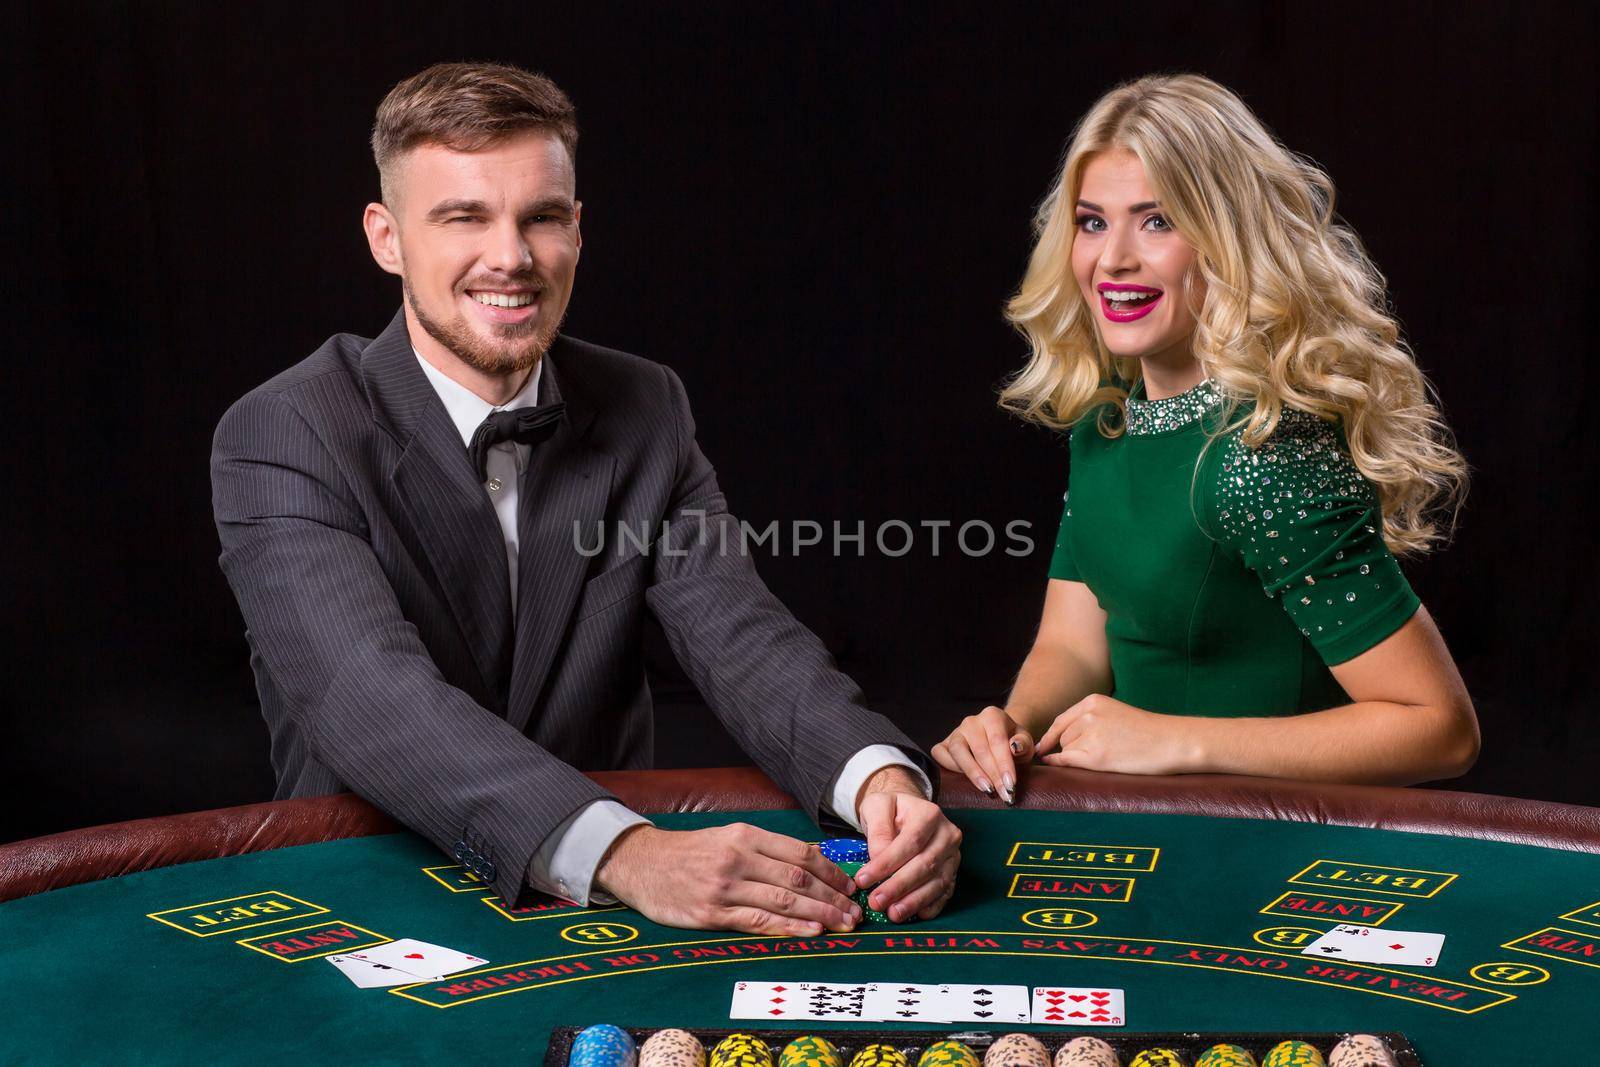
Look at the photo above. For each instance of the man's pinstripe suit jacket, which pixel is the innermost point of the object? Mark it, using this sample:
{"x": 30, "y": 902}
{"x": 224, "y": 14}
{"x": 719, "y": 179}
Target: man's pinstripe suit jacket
{"x": 371, "y": 573}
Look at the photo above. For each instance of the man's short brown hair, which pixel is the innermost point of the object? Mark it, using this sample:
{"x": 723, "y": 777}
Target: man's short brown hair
{"x": 468, "y": 106}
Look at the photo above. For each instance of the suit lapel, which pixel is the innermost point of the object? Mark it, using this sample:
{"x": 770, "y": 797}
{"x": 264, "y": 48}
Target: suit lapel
{"x": 565, "y": 488}
{"x": 446, "y": 504}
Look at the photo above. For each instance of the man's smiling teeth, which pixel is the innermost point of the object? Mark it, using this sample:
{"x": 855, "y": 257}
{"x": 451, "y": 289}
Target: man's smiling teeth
{"x": 504, "y": 300}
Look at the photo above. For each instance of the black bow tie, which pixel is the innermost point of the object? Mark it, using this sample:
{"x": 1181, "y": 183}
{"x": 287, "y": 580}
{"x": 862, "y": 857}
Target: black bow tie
{"x": 525, "y": 426}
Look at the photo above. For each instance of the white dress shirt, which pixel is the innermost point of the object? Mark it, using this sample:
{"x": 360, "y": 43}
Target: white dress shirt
{"x": 565, "y": 863}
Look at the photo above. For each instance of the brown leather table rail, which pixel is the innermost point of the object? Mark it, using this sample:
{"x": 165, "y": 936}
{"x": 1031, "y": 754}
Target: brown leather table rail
{"x": 76, "y": 856}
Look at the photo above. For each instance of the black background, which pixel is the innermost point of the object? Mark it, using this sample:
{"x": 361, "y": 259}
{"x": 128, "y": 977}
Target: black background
{"x": 815, "y": 216}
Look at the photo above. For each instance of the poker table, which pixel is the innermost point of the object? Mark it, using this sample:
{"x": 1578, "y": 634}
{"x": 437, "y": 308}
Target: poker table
{"x": 202, "y": 937}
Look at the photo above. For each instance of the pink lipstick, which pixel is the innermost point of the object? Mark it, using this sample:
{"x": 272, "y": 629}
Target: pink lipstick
{"x": 1144, "y": 298}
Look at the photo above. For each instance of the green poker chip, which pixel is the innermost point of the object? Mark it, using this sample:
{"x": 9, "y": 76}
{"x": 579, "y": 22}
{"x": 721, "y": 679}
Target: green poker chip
{"x": 810, "y": 1051}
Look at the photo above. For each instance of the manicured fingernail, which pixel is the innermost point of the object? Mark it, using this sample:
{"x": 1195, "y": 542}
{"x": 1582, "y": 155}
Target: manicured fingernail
{"x": 1010, "y": 783}
{"x": 983, "y": 784}
{"x": 1016, "y": 748}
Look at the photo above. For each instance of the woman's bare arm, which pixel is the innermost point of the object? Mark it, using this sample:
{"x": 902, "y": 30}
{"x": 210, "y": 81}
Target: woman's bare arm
{"x": 1070, "y": 659}
{"x": 1410, "y": 720}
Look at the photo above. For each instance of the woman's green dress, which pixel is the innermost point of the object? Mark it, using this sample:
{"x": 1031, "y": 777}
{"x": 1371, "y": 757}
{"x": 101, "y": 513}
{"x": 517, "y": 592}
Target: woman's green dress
{"x": 1179, "y": 534}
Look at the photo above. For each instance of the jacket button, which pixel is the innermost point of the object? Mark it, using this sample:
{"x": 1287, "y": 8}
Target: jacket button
{"x": 460, "y": 851}
{"x": 487, "y": 874}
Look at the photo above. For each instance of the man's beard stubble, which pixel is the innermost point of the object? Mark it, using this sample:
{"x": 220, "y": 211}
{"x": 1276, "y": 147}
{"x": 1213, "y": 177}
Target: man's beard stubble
{"x": 524, "y": 344}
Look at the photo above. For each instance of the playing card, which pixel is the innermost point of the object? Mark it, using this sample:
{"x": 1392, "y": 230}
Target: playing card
{"x": 834, "y": 1000}
{"x": 427, "y": 961}
{"x": 1078, "y": 1006}
{"x": 984, "y": 1003}
{"x": 796, "y": 1000}
{"x": 905, "y": 1002}
{"x": 371, "y": 975}
{"x": 1371, "y": 944}
{"x": 766, "y": 1000}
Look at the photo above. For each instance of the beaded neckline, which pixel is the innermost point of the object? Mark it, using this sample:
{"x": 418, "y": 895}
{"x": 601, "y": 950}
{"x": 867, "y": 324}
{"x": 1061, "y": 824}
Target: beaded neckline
{"x": 1146, "y": 417}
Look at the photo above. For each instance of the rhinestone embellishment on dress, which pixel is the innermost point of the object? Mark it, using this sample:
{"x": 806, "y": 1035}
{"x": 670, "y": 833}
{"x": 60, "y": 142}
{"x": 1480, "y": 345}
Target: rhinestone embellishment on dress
{"x": 1313, "y": 482}
{"x": 1147, "y": 417}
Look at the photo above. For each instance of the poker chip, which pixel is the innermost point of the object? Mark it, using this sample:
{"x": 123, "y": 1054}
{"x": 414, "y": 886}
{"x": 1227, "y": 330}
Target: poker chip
{"x": 1361, "y": 1050}
{"x": 1086, "y": 1052}
{"x": 947, "y": 1054}
{"x": 602, "y": 1045}
{"x": 672, "y": 1048}
{"x": 1225, "y": 1056}
{"x": 879, "y": 1056}
{"x": 810, "y": 1051}
{"x": 844, "y": 850}
{"x": 1293, "y": 1054}
{"x": 1016, "y": 1050}
{"x": 1157, "y": 1057}
{"x": 741, "y": 1050}
{"x": 860, "y": 896}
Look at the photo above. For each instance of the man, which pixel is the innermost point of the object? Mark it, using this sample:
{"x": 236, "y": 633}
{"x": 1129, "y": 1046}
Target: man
{"x": 400, "y": 523}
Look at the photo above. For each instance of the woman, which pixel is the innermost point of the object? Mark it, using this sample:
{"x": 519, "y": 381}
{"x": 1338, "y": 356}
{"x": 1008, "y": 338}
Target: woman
{"x": 1243, "y": 419}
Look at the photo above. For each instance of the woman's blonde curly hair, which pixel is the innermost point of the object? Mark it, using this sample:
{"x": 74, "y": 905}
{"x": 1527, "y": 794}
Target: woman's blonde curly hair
{"x": 1294, "y": 313}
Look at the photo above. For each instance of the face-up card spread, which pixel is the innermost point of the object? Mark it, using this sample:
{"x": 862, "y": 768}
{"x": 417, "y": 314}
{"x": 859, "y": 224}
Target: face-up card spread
{"x": 888, "y": 1002}
{"x": 797, "y": 1000}
{"x": 1078, "y": 1006}
{"x": 427, "y": 962}
{"x": 1371, "y": 944}
{"x": 984, "y": 1003}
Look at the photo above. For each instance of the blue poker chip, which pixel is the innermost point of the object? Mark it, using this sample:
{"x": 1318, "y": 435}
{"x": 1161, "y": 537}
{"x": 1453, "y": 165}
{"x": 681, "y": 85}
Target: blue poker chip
{"x": 602, "y": 1045}
{"x": 845, "y": 850}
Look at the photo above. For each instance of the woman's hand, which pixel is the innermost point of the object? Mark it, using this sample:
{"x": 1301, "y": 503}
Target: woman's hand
{"x": 988, "y": 748}
{"x": 1102, "y": 734}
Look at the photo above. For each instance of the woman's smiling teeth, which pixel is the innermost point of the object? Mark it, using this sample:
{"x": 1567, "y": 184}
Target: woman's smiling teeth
{"x": 504, "y": 300}
{"x": 1122, "y": 300}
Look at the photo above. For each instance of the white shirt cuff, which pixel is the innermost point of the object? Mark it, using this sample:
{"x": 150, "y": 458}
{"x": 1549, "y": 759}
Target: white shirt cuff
{"x": 854, "y": 774}
{"x": 565, "y": 863}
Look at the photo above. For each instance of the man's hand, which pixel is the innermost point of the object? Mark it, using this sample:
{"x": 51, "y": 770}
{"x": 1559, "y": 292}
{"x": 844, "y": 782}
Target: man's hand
{"x": 1102, "y": 734}
{"x": 915, "y": 850}
{"x": 735, "y": 877}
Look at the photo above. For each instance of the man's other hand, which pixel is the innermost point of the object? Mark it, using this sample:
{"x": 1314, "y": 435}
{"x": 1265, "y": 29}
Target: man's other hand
{"x": 915, "y": 850}
{"x": 735, "y": 877}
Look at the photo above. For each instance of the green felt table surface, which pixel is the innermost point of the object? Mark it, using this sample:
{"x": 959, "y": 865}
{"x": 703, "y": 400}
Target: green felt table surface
{"x": 1200, "y": 920}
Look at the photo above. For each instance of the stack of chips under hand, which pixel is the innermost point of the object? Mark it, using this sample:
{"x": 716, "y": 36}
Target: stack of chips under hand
{"x": 850, "y": 854}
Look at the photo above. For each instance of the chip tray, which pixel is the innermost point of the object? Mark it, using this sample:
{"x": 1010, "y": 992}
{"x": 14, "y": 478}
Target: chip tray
{"x": 1127, "y": 1043}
